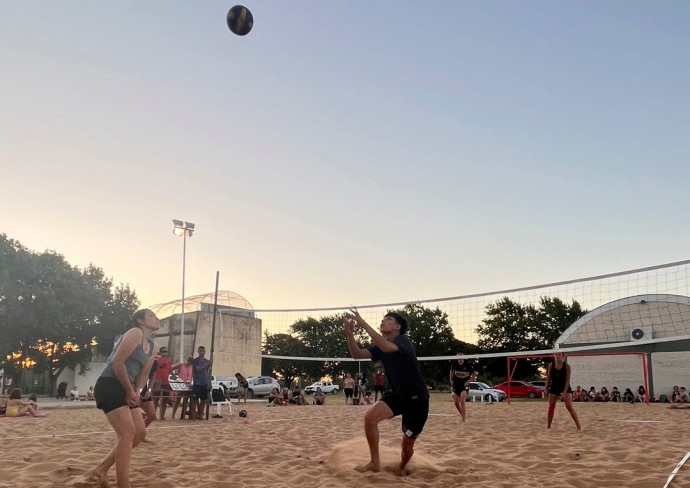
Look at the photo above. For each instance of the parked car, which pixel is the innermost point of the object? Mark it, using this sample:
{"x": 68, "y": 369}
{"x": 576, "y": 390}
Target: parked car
{"x": 326, "y": 387}
{"x": 230, "y": 383}
{"x": 539, "y": 384}
{"x": 261, "y": 386}
{"x": 520, "y": 389}
{"x": 482, "y": 390}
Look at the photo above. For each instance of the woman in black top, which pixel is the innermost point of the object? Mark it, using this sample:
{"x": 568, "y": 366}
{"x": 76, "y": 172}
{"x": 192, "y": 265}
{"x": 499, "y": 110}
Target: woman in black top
{"x": 558, "y": 386}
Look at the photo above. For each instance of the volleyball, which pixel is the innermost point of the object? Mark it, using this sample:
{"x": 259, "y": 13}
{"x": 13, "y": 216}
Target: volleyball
{"x": 243, "y": 413}
{"x": 240, "y": 20}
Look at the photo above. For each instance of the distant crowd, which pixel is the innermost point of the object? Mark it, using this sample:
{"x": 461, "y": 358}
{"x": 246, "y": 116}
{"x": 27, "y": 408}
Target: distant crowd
{"x": 677, "y": 395}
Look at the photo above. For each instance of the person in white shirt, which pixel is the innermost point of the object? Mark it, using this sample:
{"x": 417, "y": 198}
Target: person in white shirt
{"x": 74, "y": 394}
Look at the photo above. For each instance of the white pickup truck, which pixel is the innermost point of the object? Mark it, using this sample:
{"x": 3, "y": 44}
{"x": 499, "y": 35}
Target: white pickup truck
{"x": 326, "y": 387}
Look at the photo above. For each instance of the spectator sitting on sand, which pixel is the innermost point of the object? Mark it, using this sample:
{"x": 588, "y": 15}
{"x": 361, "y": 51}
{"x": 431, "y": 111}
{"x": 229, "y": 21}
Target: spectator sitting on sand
{"x": 18, "y": 408}
{"x": 628, "y": 396}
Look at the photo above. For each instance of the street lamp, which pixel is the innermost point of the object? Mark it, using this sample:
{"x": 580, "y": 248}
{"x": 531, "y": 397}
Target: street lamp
{"x": 182, "y": 229}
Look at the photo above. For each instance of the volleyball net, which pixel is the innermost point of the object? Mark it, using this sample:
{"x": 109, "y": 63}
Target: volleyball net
{"x": 465, "y": 313}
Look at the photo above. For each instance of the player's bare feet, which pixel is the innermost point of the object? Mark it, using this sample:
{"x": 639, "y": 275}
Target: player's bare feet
{"x": 100, "y": 477}
{"x": 369, "y": 467}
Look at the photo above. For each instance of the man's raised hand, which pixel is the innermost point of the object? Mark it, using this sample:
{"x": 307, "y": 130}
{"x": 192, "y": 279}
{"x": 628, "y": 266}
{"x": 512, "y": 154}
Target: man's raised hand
{"x": 348, "y": 324}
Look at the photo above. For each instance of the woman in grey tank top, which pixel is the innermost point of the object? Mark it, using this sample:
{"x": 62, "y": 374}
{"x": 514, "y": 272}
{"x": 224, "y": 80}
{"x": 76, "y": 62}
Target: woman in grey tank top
{"x": 117, "y": 393}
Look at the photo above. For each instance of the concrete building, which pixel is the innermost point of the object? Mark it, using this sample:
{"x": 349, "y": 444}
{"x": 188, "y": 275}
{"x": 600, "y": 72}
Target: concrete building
{"x": 236, "y": 342}
{"x": 662, "y": 319}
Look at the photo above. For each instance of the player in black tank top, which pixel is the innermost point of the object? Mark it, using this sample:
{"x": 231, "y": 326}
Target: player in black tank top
{"x": 558, "y": 386}
{"x": 461, "y": 373}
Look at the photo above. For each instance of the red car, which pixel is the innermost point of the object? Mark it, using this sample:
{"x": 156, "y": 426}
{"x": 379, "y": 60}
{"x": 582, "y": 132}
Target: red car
{"x": 520, "y": 389}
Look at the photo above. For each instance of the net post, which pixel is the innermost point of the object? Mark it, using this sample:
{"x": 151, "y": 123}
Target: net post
{"x": 509, "y": 377}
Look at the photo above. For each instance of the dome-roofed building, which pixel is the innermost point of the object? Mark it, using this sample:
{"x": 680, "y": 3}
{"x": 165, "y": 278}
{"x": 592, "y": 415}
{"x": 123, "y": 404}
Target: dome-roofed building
{"x": 227, "y": 300}
{"x": 236, "y": 340}
{"x": 655, "y": 324}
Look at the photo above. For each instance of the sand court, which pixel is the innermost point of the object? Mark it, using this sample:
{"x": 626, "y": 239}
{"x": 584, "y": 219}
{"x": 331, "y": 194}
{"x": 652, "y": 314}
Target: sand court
{"x": 499, "y": 445}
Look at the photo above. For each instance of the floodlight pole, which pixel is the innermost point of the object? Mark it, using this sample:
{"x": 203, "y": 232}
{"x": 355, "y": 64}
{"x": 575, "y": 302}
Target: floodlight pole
{"x": 182, "y": 229}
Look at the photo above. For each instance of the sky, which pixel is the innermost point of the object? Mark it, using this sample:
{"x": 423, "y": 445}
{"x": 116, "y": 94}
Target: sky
{"x": 347, "y": 152}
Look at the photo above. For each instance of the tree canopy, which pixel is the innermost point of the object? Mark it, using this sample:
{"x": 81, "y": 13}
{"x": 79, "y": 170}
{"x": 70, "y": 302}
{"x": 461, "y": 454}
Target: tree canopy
{"x": 510, "y": 327}
{"x": 52, "y": 314}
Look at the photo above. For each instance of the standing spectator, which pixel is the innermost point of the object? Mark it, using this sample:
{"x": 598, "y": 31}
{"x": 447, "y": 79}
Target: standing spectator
{"x": 615, "y": 394}
{"x": 461, "y": 373}
{"x": 361, "y": 388}
{"x": 162, "y": 392}
{"x": 349, "y": 389}
{"x": 408, "y": 395}
{"x": 200, "y": 388}
{"x": 378, "y": 384}
{"x": 244, "y": 385}
{"x": 185, "y": 371}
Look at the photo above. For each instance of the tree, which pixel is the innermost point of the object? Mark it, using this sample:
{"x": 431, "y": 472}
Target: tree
{"x": 283, "y": 345}
{"x": 512, "y": 327}
{"x": 51, "y": 312}
{"x": 432, "y": 335}
{"x": 322, "y": 338}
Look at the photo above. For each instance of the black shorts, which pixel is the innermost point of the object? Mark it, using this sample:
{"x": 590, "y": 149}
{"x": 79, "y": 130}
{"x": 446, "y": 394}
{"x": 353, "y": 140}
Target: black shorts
{"x": 378, "y": 388}
{"x": 414, "y": 412}
{"x": 200, "y": 392}
{"x": 109, "y": 394}
{"x": 161, "y": 389}
{"x": 459, "y": 387}
{"x": 349, "y": 392}
{"x": 570, "y": 390}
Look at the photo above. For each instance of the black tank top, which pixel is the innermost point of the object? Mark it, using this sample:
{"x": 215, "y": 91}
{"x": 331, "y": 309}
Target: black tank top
{"x": 558, "y": 377}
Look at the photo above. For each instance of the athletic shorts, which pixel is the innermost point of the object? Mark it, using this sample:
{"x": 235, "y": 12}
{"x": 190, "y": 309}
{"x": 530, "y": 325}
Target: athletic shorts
{"x": 160, "y": 389}
{"x": 570, "y": 390}
{"x": 349, "y": 392}
{"x": 459, "y": 387}
{"x": 414, "y": 412}
{"x": 378, "y": 388}
{"x": 109, "y": 394}
{"x": 200, "y": 392}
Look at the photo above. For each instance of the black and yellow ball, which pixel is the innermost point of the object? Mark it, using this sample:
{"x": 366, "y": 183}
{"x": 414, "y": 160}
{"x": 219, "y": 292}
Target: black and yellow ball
{"x": 240, "y": 20}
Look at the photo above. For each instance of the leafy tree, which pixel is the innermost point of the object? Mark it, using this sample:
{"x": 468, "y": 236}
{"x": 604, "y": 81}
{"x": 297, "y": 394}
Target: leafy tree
{"x": 283, "y": 345}
{"x": 512, "y": 327}
{"x": 322, "y": 338}
{"x": 50, "y": 311}
{"x": 432, "y": 335}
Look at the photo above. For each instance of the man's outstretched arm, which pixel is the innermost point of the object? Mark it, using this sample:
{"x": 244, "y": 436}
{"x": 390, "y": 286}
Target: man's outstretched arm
{"x": 355, "y": 351}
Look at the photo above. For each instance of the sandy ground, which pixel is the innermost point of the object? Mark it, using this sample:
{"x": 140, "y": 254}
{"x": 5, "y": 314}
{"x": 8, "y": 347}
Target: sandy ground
{"x": 500, "y": 445}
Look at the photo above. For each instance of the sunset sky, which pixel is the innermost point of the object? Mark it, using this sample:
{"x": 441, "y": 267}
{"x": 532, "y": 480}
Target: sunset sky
{"x": 347, "y": 152}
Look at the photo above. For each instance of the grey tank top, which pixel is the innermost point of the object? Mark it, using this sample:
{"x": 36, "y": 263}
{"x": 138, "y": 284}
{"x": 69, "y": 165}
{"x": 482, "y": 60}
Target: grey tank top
{"x": 134, "y": 363}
